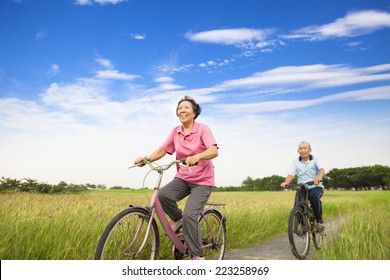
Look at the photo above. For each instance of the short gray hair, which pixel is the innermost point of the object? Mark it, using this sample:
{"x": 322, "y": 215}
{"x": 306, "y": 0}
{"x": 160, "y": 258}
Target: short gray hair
{"x": 304, "y": 142}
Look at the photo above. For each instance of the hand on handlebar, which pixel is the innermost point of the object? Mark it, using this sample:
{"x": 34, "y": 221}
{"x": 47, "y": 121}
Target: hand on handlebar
{"x": 317, "y": 181}
{"x": 190, "y": 161}
{"x": 140, "y": 161}
{"x": 284, "y": 185}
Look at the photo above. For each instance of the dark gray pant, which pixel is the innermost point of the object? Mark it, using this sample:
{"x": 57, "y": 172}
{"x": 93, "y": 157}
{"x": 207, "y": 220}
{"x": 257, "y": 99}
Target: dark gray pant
{"x": 175, "y": 191}
{"x": 315, "y": 195}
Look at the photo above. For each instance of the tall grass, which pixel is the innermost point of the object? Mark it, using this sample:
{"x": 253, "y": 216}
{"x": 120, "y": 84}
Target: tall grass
{"x": 365, "y": 234}
{"x": 68, "y": 227}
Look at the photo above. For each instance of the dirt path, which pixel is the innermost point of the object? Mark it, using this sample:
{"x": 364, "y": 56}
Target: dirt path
{"x": 279, "y": 248}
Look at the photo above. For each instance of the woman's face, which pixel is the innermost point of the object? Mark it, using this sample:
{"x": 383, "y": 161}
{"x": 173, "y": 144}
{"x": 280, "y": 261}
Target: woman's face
{"x": 185, "y": 112}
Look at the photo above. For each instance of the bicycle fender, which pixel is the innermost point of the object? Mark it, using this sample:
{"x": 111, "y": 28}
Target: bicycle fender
{"x": 146, "y": 209}
{"x": 223, "y": 218}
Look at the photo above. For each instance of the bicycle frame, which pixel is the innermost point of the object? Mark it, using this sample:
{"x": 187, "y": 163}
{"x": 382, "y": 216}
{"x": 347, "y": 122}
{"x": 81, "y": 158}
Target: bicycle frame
{"x": 302, "y": 224}
{"x": 304, "y": 203}
{"x": 134, "y": 232}
{"x": 155, "y": 208}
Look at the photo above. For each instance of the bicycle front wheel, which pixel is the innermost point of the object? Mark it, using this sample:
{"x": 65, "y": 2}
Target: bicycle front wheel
{"x": 213, "y": 229}
{"x": 298, "y": 233}
{"x": 126, "y": 237}
{"x": 318, "y": 235}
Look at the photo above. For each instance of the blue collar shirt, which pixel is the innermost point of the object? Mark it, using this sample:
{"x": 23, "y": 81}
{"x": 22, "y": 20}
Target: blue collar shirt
{"x": 306, "y": 171}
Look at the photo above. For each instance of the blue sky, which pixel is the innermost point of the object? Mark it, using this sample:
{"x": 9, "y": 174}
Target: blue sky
{"x": 87, "y": 86}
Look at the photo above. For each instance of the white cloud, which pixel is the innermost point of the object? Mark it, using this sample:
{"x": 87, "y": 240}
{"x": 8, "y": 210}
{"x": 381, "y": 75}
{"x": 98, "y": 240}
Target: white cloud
{"x": 106, "y": 63}
{"x": 288, "y": 80}
{"x": 115, "y": 75}
{"x": 53, "y": 70}
{"x": 250, "y": 41}
{"x": 164, "y": 79}
{"x": 214, "y": 64}
{"x": 171, "y": 68}
{"x": 76, "y": 132}
{"x": 82, "y": 92}
{"x": 138, "y": 36}
{"x": 41, "y": 35}
{"x": 375, "y": 93}
{"x": 101, "y": 2}
{"x": 165, "y": 84}
{"x": 309, "y": 76}
{"x": 83, "y": 2}
{"x": 238, "y": 36}
{"x": 354, "y": 24}
{"x": 20, "y": 116}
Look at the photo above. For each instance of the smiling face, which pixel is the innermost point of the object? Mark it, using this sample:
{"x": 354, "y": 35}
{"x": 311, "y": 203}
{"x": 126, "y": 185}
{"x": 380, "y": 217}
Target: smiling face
{"x": 304, "y": 150}
{"x": 185, "y": 112}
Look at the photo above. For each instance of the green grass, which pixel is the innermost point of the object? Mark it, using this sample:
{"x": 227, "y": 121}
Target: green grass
{"x": 68, "y": 227}
{"x": 365, "y": 234}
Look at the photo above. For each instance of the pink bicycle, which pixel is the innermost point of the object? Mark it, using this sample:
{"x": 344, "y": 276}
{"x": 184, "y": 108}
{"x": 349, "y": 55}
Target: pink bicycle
{"x": 134, "y": 234}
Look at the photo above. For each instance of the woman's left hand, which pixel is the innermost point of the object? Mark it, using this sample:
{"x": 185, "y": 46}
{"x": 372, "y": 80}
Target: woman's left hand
{"x": 192, "y": 160}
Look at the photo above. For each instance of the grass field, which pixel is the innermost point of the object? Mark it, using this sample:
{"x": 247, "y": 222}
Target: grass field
{"x": 68, "y": 227}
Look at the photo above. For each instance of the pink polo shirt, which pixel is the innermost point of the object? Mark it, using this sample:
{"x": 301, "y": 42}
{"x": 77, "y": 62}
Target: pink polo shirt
{"x": 198, "y": 140}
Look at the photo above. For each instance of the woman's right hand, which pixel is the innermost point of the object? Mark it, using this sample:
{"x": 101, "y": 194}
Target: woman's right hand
{"x": 139, "y": 161}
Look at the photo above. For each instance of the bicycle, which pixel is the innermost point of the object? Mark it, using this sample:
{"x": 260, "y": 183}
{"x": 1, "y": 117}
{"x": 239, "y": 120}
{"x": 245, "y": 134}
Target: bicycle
{"x": 134, "y": 234}
{"x": 302, "y": 225}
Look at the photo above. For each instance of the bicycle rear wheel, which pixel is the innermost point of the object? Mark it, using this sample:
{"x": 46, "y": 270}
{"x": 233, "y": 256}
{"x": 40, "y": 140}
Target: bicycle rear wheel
{"x": 298, "y": 233}
{"x": 124, "y": 235}
{"x": 213, "y": 228}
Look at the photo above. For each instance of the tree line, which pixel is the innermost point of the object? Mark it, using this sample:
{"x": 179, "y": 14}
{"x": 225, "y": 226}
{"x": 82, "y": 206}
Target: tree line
{"x": 355, "y": 178}
{"x": 33, "y": 186}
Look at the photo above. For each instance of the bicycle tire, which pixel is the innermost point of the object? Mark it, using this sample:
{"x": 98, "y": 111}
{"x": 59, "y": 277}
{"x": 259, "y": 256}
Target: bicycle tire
{"x": 298, "y": 233}
{"x": 119, "y": 240}
{"x": 213, "y": 229}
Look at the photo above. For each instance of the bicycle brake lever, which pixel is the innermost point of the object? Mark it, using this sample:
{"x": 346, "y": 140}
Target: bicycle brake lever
{"x": 137, "y": 165}
{"x": 182, "y": 163}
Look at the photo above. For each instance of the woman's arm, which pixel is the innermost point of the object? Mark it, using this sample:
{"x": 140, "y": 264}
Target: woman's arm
{"x": 156, "y": 155}
{"x": 210, "y": 153}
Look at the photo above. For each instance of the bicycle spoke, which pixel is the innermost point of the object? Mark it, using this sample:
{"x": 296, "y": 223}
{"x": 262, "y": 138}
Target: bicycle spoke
{"x": 126, "y": 237}
{"x": 213, "y": 235}
{"x": 298, "y": 233}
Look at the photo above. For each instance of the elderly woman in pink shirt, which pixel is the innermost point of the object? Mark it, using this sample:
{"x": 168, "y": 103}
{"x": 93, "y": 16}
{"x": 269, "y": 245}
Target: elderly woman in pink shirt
{"x": 195, "y": 143}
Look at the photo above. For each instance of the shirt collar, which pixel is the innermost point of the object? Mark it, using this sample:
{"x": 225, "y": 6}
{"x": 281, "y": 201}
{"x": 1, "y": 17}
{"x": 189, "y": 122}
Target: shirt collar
{"x": 194, "y": 129}
{"x": 310, "y": 158}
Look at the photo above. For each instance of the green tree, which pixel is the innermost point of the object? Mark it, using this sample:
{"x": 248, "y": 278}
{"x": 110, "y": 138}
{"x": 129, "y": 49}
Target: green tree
{"x": 29, "y": 185}
{"x": 248, "y": 184}
{"x": 8, "y": 184}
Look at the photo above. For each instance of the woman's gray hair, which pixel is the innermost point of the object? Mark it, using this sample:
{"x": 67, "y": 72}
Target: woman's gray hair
{"x": 195, "y": 106}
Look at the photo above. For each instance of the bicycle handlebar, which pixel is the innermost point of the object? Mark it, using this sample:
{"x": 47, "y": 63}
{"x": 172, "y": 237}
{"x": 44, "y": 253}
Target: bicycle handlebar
{"x": 301, "y": 185}
{"x": 160, "y": 168}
